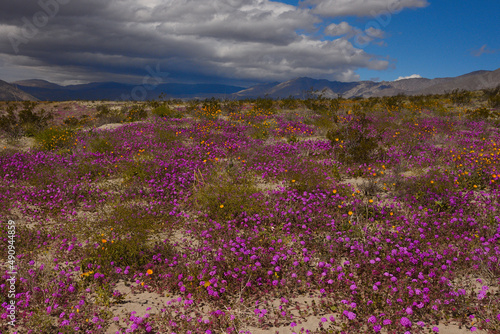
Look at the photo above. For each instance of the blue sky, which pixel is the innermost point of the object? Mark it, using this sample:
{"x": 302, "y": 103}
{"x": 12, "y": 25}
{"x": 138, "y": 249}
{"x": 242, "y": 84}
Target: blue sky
{"x": 244, "y": 42}
{"x": 443, "y": 39}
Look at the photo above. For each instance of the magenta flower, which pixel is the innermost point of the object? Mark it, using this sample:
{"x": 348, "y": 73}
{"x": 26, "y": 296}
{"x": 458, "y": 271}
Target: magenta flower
{"x": 405, "y": 322}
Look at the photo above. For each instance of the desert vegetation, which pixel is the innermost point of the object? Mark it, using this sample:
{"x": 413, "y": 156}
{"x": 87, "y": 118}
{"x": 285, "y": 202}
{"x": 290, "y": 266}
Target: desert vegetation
{"x": 258, "y": 216}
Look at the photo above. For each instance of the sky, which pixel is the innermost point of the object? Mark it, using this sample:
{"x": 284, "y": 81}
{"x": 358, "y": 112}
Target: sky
{"x": 244, "y": 42}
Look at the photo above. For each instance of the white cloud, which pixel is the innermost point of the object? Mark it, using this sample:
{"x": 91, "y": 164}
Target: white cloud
{"x": 413, "y": 76}
{"x": 335, "y": 8}
{"x": 338, "y": 29}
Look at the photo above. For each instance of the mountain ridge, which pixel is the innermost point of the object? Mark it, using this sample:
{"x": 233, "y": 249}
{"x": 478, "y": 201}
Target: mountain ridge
{"x": 300, "y": 87}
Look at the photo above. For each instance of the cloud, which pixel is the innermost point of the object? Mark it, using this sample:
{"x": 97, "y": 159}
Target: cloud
{"x": 338, "y": 29}
{"x": 335, "y": 8}
{"x": 413, "y": 76}
{"x": 483, "y": 50}
{"x": 206, "y": 41}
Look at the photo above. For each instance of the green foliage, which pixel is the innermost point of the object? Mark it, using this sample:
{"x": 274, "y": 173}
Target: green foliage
{"x": 259, "y": 133}
{"x": 225, "y": 193}
{"x": 27, "y": 122}
{"x": 72, "y": 121}
{"x": 55, "y": 138}
{"x": 102, "y": 110}
{"x": 492, "y": 97}
{"x": 290, "y": 103}
{"x": 105, "y": 115}
{"x": 167, "y": 112}
{"x": 192, "y": 105}
{"x": 136, "y": 113}
{"x": 292, "y": 139}
{"x": 459, "y": 96}
{"x": 165, "y": 136}
{"x": 266, "y": 104}
{"x": 393, "y": 103}
{"x": 232, "y": 107}
{"x": 123, "y": 240}
{"x": 481, "y": 114}
{"x": 102, "y": 144}
{"x": 354, "y": 142}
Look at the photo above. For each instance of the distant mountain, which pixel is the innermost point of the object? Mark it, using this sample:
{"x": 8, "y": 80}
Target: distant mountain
{"x": 10, "y": 92}
{"x": 300, "y": 87}
{"x": 47, "y": 91}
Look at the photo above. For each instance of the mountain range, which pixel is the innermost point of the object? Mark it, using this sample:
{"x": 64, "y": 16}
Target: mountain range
{"x": 299, "y": 88}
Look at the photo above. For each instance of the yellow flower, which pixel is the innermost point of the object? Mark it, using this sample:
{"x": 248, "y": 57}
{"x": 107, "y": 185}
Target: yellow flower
{"x": 334, "y": 191}
{"x": 350, "y": 213}
{"x": 371, "y": 201}
{"x": 293, "y": 181}
{"x": 221, "y": 206}
{"x": 149, "y": 272}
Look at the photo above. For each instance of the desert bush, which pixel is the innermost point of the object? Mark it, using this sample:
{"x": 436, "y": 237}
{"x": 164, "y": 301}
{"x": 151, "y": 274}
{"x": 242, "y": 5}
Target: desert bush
{"x": 266, "y": 104}
{"x": 102, "y": 110}
{"x": 71, "y": 121}
{"x": 165, "y": 136}
{"x": 481, "y": 114}
{"x": 26, "y": 122}
{"x": 210, "y": 109}
{"x": 393, "y": 103}
{"x": 166, "y": 112}
{"x": 232, "y": 107}
{"x": 192, "y": 106}
{"x": 225, "y": 194}
{"x": 136, "y": 113}
{"x": 354, "y": 141}
{"x": 492, "y": 97}
{"x": 289, "y": 103}
{"x": 102, "y": 144}
{"x": 55, "y": 138}
{"x": 460, "y": 96}
{"x": 259, "y": 133}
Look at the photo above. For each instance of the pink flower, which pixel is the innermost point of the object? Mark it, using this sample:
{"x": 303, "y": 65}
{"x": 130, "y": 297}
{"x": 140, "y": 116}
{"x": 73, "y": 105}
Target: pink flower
{"x": 405, "y": 322}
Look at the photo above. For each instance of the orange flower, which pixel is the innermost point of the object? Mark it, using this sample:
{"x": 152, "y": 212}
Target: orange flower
{"x": 149, "y": 272}
{"x": 104, "y": 241}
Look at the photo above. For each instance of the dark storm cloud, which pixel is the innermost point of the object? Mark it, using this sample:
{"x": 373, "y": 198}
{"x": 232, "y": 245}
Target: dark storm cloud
{"x": 240, "y": 39}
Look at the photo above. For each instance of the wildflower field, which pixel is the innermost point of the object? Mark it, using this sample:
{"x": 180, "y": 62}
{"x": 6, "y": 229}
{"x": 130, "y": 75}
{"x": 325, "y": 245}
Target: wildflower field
{"x": 258, "y": 216}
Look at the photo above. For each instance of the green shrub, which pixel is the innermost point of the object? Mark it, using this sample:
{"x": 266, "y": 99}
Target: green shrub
{"x": 27, "y": 122}
{"x": 354, "y": 142}
{"x": 166, "y": 111}
{"x": 481, "y": 114}
{"x": 460, "y": 97}
{"x": 102, "y": 144}
{"x": 136, "y": 113}
{"x": 225, "y": 194}
{"x": 289, "y": 103}
{"x": 265, "y": 104}
{"x": 55, "y": 138}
